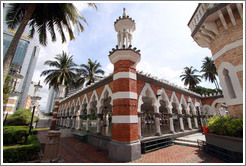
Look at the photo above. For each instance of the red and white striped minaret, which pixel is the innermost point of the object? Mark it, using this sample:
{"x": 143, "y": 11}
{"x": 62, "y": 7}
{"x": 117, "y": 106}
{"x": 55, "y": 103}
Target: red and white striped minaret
{"x": 125, "y": 144}
{"x": 61, "y": 95}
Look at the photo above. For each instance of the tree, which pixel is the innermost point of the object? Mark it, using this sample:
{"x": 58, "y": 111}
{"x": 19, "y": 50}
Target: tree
{"x": 64, "y": 72}
{"x": 89, "y": 71}
{"x": 41, "y": 17}
{"x": 21, "y": 117}
{"x": 209, "y": 71}
{"x": 190, "y": 78}
{"x": 6, "y": 89}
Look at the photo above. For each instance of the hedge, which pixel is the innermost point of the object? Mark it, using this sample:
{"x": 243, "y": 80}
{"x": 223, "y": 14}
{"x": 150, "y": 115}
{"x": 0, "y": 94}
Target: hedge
{"x": 16, "y": 134}
{"x": 22, "y": 153}
{"x": 225, "y": 125}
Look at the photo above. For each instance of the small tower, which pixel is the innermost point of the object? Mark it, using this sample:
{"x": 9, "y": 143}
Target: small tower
{"x": 124, "y": 26}
{"x": 61, "y": 95}
{"x": 125, "y": 144}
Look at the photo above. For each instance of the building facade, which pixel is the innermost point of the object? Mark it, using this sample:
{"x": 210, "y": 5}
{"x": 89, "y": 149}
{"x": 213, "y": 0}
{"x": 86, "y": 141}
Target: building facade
{"x": 219, "y": 27}
{"x": 128, "y": 106}
{"x": 22, "y": 67}
{"x": 50, "y": 101}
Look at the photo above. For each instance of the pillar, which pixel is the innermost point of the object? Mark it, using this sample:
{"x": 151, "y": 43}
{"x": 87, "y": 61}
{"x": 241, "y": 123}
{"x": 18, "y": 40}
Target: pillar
{"x": 189, "y": 121}
{"x": 181, "y": 122}
{"x": 54, "y": 126}
{"x": 98, "y": 123}
{"x": 195, "y": 120}
{"x": 171, "y": 123}
{"x": 125, "y": 145}
{"x": 157, "y": 124}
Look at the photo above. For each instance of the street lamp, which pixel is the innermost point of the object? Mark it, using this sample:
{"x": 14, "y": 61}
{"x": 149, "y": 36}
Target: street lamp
{"x": 34, "y": 100}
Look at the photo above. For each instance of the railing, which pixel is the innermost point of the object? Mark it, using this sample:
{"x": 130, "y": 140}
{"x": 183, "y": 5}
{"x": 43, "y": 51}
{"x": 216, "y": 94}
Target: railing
{"x": 200, "y": 11}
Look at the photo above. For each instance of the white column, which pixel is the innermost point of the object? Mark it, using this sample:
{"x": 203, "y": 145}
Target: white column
{"x": 98, "y": 123}
{"x": 196, "y": 123}
{"x": 78, "y": 126}
{"x": 118, "y": 37}
{"x": 189, "y": 122}
{"x": 130, "y": 38}
{"x": 126, "y": 34}
{"x": 87, "y": 123}
{"x": 171, "y": 124}
{"x": 181, "y": 122}
{"x": 121, "y": 40}
{"x": 157, "y": 124}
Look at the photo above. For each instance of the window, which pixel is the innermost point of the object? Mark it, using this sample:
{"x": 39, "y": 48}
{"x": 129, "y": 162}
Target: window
{"x": 20, "y": 51}
{"x": 228, "y": 83}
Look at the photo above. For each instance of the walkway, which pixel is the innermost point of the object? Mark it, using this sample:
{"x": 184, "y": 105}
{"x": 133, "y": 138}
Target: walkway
{"x": 72, "y": 150}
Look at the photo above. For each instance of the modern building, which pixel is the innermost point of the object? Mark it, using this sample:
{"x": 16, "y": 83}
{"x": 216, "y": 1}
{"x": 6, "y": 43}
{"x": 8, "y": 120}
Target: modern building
{"x": 219, "y": 27}
{"x": 128, "y": 107}
{"x": 22, "y": 67}
{"x": 50, "y": 101}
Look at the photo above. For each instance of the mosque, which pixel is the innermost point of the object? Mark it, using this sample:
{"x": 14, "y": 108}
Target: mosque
{"x": 121, "y": 111}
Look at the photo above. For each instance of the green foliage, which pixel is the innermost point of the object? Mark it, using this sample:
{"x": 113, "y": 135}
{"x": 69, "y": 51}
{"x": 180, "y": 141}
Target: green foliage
{"x": 202, "y": 90}
{"x": 22, "y": 153}
{"x": 49, "y": 114}
{"x": 6, "y": 88}
{"x": 226, "y": 125}
{"x": 93, "y": 116}
{"x": 21, "y": 117}
{"x": 15, "y": 134}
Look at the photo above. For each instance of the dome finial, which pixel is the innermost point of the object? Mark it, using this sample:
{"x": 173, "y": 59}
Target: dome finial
{"x": 124, "y": 12}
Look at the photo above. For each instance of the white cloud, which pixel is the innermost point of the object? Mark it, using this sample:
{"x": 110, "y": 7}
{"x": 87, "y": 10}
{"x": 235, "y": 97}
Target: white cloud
{"x": 161, "y": 34}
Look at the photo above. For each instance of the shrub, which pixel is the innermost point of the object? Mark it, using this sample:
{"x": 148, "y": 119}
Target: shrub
{"x": 22, "y": 153}
{"x": 226, "y": 125}
{"x": 20, "y": 117}
{"x": 16, "y": 134}
{"x": 49, "y": 114}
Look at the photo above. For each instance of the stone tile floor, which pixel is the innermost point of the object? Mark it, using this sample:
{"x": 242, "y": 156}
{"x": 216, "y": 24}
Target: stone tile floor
{"x": 72, "y": 150}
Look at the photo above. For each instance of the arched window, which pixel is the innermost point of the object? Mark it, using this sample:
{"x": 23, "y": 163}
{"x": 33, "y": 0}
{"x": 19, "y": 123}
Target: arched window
{"x": 228, "y": 83}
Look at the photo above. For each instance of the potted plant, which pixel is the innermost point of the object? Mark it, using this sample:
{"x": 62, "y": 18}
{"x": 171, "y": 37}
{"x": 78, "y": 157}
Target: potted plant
{"x": 225, "y": 132}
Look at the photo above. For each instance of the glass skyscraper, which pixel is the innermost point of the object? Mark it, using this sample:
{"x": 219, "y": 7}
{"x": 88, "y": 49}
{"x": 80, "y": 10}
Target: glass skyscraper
{"x": 23, "y": 63}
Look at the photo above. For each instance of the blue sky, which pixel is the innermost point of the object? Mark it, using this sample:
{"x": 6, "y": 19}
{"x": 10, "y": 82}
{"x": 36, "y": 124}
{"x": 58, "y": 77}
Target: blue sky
{"x": 161, "y": 34}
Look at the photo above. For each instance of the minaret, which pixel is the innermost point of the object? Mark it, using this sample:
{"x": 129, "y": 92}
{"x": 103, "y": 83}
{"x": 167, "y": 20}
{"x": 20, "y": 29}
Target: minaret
{"x": 125, "y": 144}
{"x": 61, "y": 95}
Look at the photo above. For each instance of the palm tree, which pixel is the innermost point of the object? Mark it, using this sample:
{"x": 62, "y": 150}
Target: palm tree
{"x": 89, "y": 71}
{"x": 190, "y": 78}
{"x": 210, "y": 72}
{"x": 64, "y": 72}
{"x": 41, "y": 16}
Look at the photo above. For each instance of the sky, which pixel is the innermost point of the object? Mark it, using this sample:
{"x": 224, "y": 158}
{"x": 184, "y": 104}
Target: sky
{"x": 161, "y": 34}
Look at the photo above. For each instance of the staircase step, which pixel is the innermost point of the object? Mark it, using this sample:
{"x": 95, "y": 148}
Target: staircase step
{"x": 185, "y": 143}
{"x": 186, "y": 140}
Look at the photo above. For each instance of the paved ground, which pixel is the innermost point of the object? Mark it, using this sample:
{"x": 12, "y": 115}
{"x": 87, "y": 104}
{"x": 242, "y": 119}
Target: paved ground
{"x": 72, "y": 150}
{"x": 194, "y": 137}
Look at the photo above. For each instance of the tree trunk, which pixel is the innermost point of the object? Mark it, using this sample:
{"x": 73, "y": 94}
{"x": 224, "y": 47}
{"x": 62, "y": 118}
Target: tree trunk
{"x": 216, "y": 84}
{"x": 14, "y": 43}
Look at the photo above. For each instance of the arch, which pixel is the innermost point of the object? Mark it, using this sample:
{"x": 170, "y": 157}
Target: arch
{"x": 174, "y": 99}
{"x": 78, "y": 106}
{"x": 107, "y": 89}
{"x": 93, "y": 96}
{"x": 207, "y": 109}
{"x": 147, "y": 91}
{"x": 183, "y": 101}
{"x": 230, "y": 84}
{"x": 164, "y": 97}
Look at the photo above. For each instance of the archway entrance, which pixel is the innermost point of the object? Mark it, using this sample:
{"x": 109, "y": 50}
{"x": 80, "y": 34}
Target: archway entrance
{"x": 176, "y": 123}
{"x": 164, "y": 118}
{"x": 148, "y": 127}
